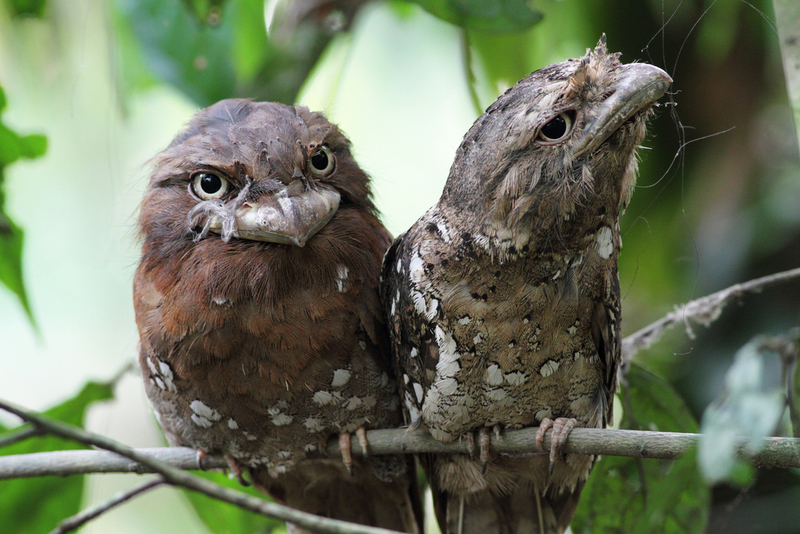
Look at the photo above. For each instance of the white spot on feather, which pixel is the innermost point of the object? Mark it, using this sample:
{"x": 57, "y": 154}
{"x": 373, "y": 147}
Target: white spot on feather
{"x": 281, "y": 419}
{"x": 202, "y": 410}
{"x": 516, "y": 378}
{"x": 604, "y": 244}
{"x": 444, "y": 231}
{"x": 416, "y": 268}
{"x": 341, "y": 275}
{"x": 447, "y": 365}
{"x": 419, "y": 302}
{"x": 549, "y": 367}
{"x": 323, "y": 398}
{"x": 418, "y": 392}
{"x": 233, "y": 425}
{"x": 447, "y": 386}
{"x": 494, "y": 376}
{"x": 430, "y": 314}
{"x": 465, "y": 320}
{"x": 340, "y": 378}
{"x": 312, "y": 424}
{"x": 352, "y": 403}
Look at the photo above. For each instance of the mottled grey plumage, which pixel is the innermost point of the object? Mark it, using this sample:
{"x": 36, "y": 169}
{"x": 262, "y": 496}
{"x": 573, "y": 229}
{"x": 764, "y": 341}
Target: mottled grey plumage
{"x": 503, "y": 299}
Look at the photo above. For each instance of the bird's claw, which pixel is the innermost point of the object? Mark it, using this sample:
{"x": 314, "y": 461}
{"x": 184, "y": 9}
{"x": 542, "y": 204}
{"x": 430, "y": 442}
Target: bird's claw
{"x": 344, "y": 447}
{"x": 483, "y": 446}
{"x": 561, "y": 426}
{"x": 235, "y": 470}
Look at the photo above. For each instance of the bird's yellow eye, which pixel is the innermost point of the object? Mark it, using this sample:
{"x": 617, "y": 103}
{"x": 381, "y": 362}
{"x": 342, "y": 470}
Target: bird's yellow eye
{"x": 556, "y": 129}
{"x": 322, "y": 161}
{"x": 209, "y": 186}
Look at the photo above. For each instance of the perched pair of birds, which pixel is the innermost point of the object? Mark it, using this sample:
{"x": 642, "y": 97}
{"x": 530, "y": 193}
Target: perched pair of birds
{"x": 268, "y": 325}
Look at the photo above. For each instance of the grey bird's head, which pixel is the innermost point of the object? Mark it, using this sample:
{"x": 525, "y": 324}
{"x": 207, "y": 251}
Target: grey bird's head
{"x": 555, "y": 152}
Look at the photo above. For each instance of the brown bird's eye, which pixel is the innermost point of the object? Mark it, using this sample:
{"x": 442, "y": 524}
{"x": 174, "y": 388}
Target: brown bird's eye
{"x": 322, "y": 161}
{"x": 557, "y": 129}
{"x": 209, "y": 186}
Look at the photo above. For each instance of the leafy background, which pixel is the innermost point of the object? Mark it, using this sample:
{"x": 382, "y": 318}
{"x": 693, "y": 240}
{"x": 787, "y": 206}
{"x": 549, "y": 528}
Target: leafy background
{"x": 108, "y": 83}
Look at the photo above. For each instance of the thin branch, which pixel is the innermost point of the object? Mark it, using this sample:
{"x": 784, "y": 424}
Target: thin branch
{"x": 78, "y": 520}
{"x": 21, "y": 434}
{"x": 177, "y": 477}
{"x": 704, "y": 311}
{"x": 778, "y": 451}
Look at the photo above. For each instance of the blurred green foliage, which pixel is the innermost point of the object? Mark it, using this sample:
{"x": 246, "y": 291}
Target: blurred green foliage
{"x": 38, "y": 505}
{"x": 224, "y": 518}
{"x": 659, "y": 495}
{"x": 717, "y": 200}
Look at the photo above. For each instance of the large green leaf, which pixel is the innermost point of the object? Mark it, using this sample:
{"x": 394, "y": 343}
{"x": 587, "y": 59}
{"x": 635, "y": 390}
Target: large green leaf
{"x": 672, "y": 498}
{"x": 211, "y": 50}
{"x": 499, "y": 16}
{"x": 38, "y": 504}
{"x": 224, "y": 518}
{"x": 12, "y": 148}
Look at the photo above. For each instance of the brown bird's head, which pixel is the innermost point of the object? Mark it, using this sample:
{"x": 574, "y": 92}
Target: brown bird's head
{"x": 559, "y": 141}
{"x": 257, "y": 198}
{"x": 259, "y": 171}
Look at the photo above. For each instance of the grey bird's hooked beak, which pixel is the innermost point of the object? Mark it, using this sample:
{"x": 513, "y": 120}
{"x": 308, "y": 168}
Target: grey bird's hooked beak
{"x": 639, "y": 86}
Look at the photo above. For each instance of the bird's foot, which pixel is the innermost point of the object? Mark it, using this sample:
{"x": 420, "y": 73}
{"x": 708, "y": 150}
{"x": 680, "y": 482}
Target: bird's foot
{"x": 344, "y": 447}
{"x": 484, "y": 443}
{"x": 561, "y": 426}
{"x": 235, "y": 470}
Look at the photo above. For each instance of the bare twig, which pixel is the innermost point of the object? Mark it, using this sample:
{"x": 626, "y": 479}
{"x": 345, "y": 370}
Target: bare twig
{"x": 177, "y": 477}
{"x": 78, "y": 520}
{"x": 704, "y": 311}
{"x": 19, "y": 435}
{"x": 777, "y": 451}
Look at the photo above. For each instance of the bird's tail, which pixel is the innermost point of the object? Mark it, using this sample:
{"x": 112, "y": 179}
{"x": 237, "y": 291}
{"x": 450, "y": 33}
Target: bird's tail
{"x": 375, "y": 495}
{"x": 519, "y": 512}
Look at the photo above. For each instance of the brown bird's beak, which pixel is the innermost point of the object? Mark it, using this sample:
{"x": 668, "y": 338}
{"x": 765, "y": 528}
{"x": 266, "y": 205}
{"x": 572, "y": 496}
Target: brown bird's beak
{"x": 285, "y": 219}
{"x": 637, "y": 88}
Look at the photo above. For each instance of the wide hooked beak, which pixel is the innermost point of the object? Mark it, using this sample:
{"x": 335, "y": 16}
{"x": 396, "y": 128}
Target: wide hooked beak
{"x": 280, "y": 218}
{"x": 638, "y": 87}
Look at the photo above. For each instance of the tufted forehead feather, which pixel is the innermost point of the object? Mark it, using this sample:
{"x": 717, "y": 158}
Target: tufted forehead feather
{"x": 238, "y": 131}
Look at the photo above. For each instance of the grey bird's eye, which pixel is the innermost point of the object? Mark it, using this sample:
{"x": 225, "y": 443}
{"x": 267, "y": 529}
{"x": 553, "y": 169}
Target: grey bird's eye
{"x": 322, "y": 161}
{"x": 209, "y": 186}
{"x": 557, "y": 129}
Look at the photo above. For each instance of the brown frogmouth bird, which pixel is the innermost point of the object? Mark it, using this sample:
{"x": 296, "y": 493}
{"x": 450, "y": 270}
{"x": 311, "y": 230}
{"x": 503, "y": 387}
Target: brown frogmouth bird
{"x": 257, "y": 303}
{"x": 504, "y": 299}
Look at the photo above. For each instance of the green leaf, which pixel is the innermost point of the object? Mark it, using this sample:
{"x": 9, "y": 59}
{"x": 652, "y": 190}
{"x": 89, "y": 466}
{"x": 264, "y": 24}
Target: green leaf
{"x": 12, "y": 148}
{"x": 497, "y": 16}
{"x": 11, "y": 237}
{"x": 746, "y": 408}
{"x": 190, "y": 55}
{"x": 38, "y": 504}
{"x": 672, "y": 498}
{"x": 28, "y": 8}
{"x": 225, "y": 518}
{"x": 214, "y": 50}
